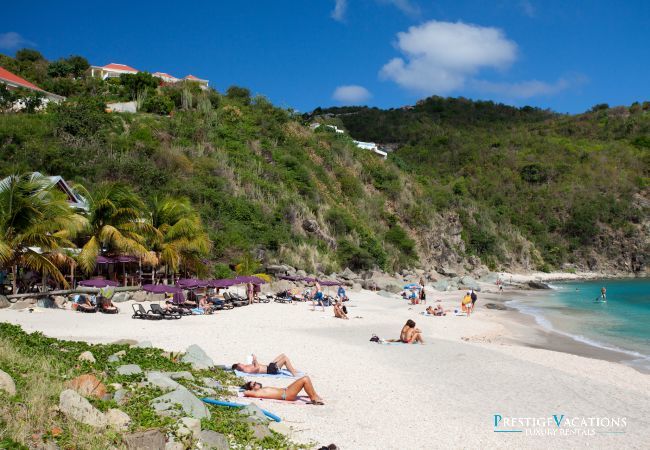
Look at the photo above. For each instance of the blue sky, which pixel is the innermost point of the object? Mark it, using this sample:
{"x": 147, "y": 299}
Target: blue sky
{"x": 564, "y": 55}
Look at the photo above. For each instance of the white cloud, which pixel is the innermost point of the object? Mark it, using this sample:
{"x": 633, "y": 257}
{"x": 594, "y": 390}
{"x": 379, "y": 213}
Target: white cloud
{"x": 351, "y": 94}
{"x": 12, "y": 40}
{"x": 439, "y": 57}
{"x": 406, "y": 6}
{"x": 340, "y": 8}
{"x": 522, "y": 89}
{"x": 527, "y": 8}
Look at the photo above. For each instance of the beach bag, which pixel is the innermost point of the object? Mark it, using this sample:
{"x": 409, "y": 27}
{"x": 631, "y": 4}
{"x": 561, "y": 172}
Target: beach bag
{"x": 374, "y": 338}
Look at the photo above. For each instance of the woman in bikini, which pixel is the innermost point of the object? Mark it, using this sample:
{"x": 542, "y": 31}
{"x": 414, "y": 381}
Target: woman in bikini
{"x": 290, "y": 393}
{"x": 410, "y": 334}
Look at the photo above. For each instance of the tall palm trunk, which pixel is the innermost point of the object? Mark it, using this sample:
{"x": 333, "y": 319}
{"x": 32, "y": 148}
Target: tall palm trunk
{"x": 14, "y": 281}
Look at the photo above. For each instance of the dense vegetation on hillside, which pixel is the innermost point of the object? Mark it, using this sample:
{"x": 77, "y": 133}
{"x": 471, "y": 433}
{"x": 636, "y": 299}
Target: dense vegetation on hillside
{"x": 472, "y": 182}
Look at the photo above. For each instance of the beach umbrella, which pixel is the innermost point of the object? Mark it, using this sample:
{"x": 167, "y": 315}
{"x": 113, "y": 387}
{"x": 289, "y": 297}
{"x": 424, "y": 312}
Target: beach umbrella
{"x": 98, "y": 283}
{"x": 289, "y": 278}
{"x": 104, "y": 260}
{"x": 223, "y": 283}
{"x": 412, "y": 286}
{"x": 309, "y": 280}
{"x": 191, "y": 283}
{"x": 329, "y": 283}
{"x": 161, "y": 288}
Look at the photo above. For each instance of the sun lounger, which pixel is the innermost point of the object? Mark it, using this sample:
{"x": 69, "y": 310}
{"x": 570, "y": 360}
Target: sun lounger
{"x": 282, "y": 373}
{"x": 140, "y": 313}
{"x": 157, "y": 309}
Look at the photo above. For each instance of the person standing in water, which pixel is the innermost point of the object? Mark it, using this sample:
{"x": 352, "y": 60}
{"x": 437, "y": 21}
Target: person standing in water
{"x": 603, "y": 294}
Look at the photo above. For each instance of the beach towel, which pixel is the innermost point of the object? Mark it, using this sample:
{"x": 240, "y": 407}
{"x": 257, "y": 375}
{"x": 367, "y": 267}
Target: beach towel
{"x": 283, "y": 373}
{"x": 300, "y": 400}
{"x": 391, "y": 343}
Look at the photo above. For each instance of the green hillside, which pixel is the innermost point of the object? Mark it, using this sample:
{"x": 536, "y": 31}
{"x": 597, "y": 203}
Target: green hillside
{"x": 471, "y": 185}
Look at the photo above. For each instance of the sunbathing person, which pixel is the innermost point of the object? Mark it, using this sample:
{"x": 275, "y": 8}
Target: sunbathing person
{"x": 410, "y": 334}
{"x": 107, "y": 306}
{"x": 340, "y": 311}
{"x": 84, "y": 305}
{"x": 290, "y": 393}
{"x": 273, "y": 368}
{"x": 437, "y": 311}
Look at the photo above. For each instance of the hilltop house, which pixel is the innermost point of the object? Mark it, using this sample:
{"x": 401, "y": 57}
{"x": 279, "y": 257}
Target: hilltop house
{"x": 14, "y": 82}
{"x": 373, "y": 147}
{"x": 114, "y": 70}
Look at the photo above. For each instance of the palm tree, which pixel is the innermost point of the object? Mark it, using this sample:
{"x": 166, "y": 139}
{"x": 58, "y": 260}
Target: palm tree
{"x": 181, "y": 240}
{"x": 116, "y": 224}
{"x": 36, "y": 224}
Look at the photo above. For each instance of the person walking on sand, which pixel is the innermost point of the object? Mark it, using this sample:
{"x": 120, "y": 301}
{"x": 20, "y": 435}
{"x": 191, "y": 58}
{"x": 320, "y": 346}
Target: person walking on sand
{"x": 318, "y": 297}
{"x": 290, "y": 393}
{"x": 466, "y": 303}
{"x": 273, "y": 368}
{"x": 249, "y": 293}
{"x": 474, "y": 297}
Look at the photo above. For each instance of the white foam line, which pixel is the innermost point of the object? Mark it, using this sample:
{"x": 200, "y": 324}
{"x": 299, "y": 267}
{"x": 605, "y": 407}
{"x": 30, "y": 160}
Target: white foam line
{"x": 545, "y": 323}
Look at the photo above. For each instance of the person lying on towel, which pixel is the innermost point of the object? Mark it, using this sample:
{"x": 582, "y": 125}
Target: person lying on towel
{"x": 290, "y": 393}
{"x": 273, "y": 368}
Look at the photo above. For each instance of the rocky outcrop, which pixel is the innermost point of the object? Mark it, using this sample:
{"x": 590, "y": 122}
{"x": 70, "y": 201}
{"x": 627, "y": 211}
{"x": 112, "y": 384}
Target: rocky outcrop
{"x": 88, "y": 385}
{"x": 129, "y": 369}
{"x": 214, "y": 441}
{"x": 189, "y": 403}
{"x": 118, "y": 419}
{"x": 7, "y": 383}
{"x": 195, "y": 356}
{"x": 78, "y": 408}
{"x": 145, "y": 440}
{"x": 87, "y": 356}
{"x": 538, "y": 285}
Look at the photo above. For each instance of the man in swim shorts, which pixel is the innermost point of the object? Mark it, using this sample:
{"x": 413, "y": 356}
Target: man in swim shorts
{"x": 273, "y": 368}
{"x": 290, "y": 393}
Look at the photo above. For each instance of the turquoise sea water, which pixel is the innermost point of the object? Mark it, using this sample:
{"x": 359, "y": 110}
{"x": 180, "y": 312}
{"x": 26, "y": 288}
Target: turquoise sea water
{"x": 622, "y": 323}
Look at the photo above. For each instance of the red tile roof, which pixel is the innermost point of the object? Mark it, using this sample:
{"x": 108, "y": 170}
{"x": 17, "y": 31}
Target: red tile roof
{"x": 15, "y": 79}
{"x": 115, "y": 66}
{"x": 163, "y": 74}
{"x": 192, "y": 77}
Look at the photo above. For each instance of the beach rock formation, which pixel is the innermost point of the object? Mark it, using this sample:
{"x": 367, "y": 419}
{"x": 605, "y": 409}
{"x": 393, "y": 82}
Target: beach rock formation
{"x": 115, "y": 357}
{"x": 253, "y": 414}
{"x": 87, "y": 356}
{"x": 195, "y": 356}
{"x": 118, "y": 419}
{"x": 538, "y": 285}
{"x": 212, "y": 440}
{"x": 88, "y": 385}
{"x": 129, "y": 369}
{"x": 188, "y": 402}
{"x": 161, "y": 380}
{"x": 189, "y": 426}
{"x": 145, "y": 440}
{"x": 7, "y": 383}
{"x": 78, "y": 408}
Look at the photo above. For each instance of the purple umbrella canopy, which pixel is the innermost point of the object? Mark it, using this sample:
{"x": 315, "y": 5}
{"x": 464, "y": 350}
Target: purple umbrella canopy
{"x": 125, "y": 259}
{"x": 248, "y": 279}
{"x": 98, "y": 283}
{"x": 289, "y": 278}
{"x": 104, "y": 260}
{"x": 329, "y": 283}
{"x": 308, "y": 279}
{"x": 161, "y": 288}
{"x": 221, "y": 283}
{"x": 191, "y": 283}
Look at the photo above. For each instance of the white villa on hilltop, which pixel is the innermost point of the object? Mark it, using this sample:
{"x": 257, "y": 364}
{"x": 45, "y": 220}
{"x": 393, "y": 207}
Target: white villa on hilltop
{"x": 373, "y": 147}
{"x": 14, "y": 82}
{"x": 114, "y": 70}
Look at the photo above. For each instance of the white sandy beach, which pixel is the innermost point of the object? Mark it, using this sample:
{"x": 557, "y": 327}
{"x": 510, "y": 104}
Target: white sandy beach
{"x": 440, "y": 395}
